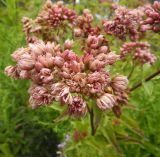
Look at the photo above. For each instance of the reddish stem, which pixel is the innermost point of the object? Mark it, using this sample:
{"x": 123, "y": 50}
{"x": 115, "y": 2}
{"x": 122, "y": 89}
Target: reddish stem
{"x": 145, "y": 80}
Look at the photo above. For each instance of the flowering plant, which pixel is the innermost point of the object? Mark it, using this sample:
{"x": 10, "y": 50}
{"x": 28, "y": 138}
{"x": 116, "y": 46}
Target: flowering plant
{"x": 69, "y": 58}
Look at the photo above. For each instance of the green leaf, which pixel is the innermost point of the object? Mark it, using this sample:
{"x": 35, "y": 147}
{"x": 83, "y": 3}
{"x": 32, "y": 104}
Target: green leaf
{"x": 109, "y": 134}
{"x": 56, "y": 106}
{"x": 131, "y": 124}
{"x": 148, "y": 87}
{"x": 4, "y": 148}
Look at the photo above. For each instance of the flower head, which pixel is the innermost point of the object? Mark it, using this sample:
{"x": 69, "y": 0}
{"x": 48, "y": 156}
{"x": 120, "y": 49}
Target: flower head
{"x": 78, "y": 107}
{"x": 106, "y": 101}
{"x": 39, "y": 95}
{"x": 120, "y": 83}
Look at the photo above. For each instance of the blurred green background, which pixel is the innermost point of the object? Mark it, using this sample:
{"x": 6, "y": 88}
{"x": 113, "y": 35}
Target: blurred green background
{"x": 33, "y": 133}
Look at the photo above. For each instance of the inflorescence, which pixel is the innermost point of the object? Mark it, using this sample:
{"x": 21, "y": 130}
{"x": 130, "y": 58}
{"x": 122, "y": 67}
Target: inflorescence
{"x": 58, "y": 73}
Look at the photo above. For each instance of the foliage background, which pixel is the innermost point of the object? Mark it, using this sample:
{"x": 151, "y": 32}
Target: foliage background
{"x": 26, "y": 133}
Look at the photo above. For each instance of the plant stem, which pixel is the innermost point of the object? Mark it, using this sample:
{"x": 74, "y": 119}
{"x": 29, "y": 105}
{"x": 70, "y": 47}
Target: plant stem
{"x": 92, "y": 122}
{"x": 145, "y": 80}
{"x": 132, "y": 70}
{"x": 97, "y": 122}
{"x": 74, "y": 3}
{"x": 91, "y": 115}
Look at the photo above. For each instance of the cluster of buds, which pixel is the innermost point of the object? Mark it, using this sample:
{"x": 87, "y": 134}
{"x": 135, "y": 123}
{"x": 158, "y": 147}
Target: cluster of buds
{"x": 84, "y": 25}
{"x": 152, "y": 22}
{"x": 140, "y": 52}
{"x": 29, "y": 30}
{"x": 57, "y": 73}
{"x": 126, "y": 22}
{"x": 51, "y": 19}
{"x": 55, "y": 15}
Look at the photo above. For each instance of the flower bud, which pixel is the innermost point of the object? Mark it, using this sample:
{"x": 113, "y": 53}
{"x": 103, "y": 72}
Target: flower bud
{"x": 145, "y": 28}
{"x": 96, "y": 65}
{"x": 88, "y": 17}
{"x": 122, "y": 97}
{"x": 106, "y": 101}
{"x": 39, "y": 95}
{"x": 65, "y": 75}
{"x": 18, "y": 53}
{"x": 60, "y": 3}
{"x": 48, "y": 4}
{"x": 37, "y": 49}
{"x": 69, "y": 55}
{"x": 26, "y": 62}
{"x": 61, "y": 93}
{"x": 86, "y": 58}
{"x": 77, "y": 32}
{"x": 156, "y": 5}
{"x": 43, "y": 60}
{"x": 94, "y": 42}
{"x": 76, "y": 66}
{"x": 68, "y": 44}
{"x": 120, "y": 83}
{"x": 58, "y": 61}
{"x": 38, "y": 66}
{"x": 45, "y": 75}
{"x": 103, "y": 49}
{"x": 11, "y": 71}
{"x": 86, "y": 11}
{"x": 78, "y": 107}
{"x": 112, "y": 58}
{"x": 117, "y": 111}
{"x": 24, "y": 74}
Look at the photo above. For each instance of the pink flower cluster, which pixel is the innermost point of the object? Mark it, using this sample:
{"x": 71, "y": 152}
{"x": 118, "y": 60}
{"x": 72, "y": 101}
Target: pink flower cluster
{"x": 152, "y": 22}
{"x": 84, "y": 25}
{"x": 126, "y": 22}
{"x": 51, "y": 23}
{"x": 55, "y": 20}
{"x": 29, "y": 30}
{"x": 54, "y": 15}
{"x": 140, "y": 52}
{"x": 58, "y": 74}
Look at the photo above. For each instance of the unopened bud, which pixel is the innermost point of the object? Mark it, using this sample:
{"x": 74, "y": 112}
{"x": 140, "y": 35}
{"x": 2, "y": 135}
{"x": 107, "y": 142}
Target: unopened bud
{"x": 120, "y": 83}
{"x": 106, "y": 101}
{"x": 68, "y": 44}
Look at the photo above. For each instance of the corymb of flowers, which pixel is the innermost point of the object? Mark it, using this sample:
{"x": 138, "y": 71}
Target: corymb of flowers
{"x": 67, "y": 56}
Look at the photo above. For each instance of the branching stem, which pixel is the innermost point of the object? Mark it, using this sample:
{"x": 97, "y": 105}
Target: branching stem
{"x": 95, "y": 125}
{"x": 137, "y": 85}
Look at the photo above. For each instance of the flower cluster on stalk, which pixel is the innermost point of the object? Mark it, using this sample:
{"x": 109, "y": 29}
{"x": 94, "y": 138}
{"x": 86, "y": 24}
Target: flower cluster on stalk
{"x": 57, "y": 73}
{"x": 126, "y": 23}
{"x": 152, "y": 21}
{"x": 140, "y": 52}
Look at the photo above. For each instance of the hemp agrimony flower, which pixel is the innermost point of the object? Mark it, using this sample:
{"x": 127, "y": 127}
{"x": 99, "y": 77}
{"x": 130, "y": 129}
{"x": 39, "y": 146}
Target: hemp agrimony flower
{"x": 75, "y": 70}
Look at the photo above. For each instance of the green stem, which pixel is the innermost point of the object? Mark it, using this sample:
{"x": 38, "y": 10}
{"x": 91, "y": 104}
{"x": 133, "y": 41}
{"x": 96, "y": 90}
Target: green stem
{"x": 74, "y": 4}
{"x": 132, "y": 70}
{"x": 92, "y": 122}
{"x": 91, "y": 116}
